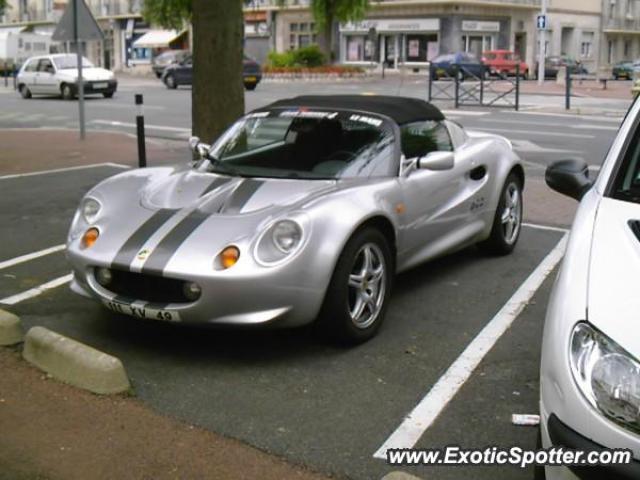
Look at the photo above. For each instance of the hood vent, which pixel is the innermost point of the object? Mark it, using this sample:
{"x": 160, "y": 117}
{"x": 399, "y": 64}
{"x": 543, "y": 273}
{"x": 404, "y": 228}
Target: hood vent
{"x": 635, "y": 227}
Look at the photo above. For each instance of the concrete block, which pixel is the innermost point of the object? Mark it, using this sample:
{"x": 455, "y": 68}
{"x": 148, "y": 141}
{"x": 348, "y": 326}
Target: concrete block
{"x": 74, "y": 362}
{"x": 399, "y": 476}
{"x": 10, "y": 329}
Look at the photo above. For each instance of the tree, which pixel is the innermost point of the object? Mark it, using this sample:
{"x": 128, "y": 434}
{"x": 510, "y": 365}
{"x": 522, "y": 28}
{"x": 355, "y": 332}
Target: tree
{"x": 327, "y": 12}
{"x": 217, "y": 97}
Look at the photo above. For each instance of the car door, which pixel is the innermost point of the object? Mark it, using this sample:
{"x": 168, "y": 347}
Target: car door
{"x": 185, "y": 71}
{"x": 437, "y": 205}
{"x": 45, "y": 77}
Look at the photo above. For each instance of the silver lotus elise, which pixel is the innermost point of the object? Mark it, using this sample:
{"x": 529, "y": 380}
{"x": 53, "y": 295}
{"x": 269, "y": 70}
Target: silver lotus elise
{"x": 303, "y": 210}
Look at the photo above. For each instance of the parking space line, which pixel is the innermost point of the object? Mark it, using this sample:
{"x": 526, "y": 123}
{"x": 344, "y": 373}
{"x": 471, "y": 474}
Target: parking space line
{"x": 545, "y": 227}
{"x": 39, "y": 290}
{"x": 65, "y": 169}
{"x": 30, "y": 256}
{"x": 435, "y": 401}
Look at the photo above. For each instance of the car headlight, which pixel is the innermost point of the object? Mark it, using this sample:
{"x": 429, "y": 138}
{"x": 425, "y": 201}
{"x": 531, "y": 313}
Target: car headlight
{"x": 90, "y": 209}
{"x": 608, "y": 376}
{"x": 280, "y": 240}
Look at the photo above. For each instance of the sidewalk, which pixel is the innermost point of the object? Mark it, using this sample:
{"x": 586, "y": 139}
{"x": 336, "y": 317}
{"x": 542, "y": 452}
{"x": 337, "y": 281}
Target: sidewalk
{"x": 51, "y": 431}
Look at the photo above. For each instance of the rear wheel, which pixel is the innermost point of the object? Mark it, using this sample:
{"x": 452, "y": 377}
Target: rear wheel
{"x": 170, "y": 82}
{"x": 250, "y": 86}
{"x": 67, "y": 92}
{"x": 507, "y": 221}
{"x": 357, "y": 297}
{"x": 107, "y": 94}
{"x": 25, "y": 92}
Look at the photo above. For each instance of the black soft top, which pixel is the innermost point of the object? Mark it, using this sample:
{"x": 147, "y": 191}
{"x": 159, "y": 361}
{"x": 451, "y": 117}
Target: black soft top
{"x": 401, "y": 109}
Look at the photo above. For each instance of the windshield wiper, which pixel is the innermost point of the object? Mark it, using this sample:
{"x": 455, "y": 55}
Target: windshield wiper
{"x": 220, "y": 165}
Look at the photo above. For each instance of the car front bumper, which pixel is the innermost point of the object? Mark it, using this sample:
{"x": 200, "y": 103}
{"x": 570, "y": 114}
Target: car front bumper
{"x": 107, "y": 86}
{"x": 275, "y": 296}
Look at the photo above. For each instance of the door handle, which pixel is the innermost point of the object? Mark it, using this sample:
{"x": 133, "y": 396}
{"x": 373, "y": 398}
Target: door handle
{"x": 478, "y": 173}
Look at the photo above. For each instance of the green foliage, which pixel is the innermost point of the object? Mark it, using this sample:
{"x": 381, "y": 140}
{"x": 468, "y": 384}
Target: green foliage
{"x": 325, "y": 11}
{"x": 310, "y": 56}
{"x": 168, "y": 13}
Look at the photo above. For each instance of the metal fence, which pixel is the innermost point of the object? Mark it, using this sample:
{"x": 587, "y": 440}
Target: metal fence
{"x": 472, "y": 85}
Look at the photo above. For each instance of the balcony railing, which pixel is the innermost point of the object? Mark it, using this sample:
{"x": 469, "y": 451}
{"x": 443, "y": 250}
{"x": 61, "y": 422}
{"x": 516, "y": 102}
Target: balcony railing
{"x": 627, "y": 24}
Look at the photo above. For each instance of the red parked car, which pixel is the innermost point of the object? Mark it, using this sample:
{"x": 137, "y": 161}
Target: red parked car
{"x": 504, "y": 62}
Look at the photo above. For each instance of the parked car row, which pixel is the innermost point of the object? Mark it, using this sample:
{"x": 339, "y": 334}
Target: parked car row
{"x": 493, "y": 63}
{"x": 626, "y": 69}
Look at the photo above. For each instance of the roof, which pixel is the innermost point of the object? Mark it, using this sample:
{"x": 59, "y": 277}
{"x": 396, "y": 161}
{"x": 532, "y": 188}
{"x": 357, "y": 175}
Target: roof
{"x": 401, "y": 109}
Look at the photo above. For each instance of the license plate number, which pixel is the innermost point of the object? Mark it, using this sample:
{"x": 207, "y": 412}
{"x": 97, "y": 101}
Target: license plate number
{"x": 250, "y": 79}
{"x": 100, "y": 85}
{"x": 142, "y": 312}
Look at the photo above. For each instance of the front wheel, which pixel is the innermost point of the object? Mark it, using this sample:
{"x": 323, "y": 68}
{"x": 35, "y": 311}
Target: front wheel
{"x": 107, "y": 94}
{"x": 356, "y": 300}
{"x": 170, "y": 82}
{"x": 25, "y": 92}
{"x": 250, "y": 86}
{"x": 67, "y": 92}
{"x": 507, "y": 221}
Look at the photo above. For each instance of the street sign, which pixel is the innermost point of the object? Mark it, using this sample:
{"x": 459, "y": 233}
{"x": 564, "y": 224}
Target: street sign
{"x": 542, "y": 22}
{"x": 88, "y": 28}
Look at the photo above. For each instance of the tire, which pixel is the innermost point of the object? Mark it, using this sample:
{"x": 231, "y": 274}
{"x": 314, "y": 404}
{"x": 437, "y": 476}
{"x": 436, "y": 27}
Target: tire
{"x": 170, "y": 82}
{"x": 25, "y": 92}
{"x": 67, "y": 92}
{"x": 158, "y": 74}
{"x": 250, "y": 86}
{"x": 507, "y": 221}
{"x": 107, "y": 94}
{"x": 345, "y": 317}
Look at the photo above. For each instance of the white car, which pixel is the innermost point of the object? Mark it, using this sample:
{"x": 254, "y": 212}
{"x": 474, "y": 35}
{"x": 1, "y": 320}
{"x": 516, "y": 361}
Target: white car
{"x": 590, "y": 370}
{"x": 58, "y": 75}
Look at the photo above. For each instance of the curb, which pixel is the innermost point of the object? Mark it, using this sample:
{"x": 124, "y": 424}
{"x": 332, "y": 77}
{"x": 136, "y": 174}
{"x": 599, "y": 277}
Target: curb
{"x": 399, "y": 476}
{"x": 75, "y": 363}
{"x": 10, "y": 329}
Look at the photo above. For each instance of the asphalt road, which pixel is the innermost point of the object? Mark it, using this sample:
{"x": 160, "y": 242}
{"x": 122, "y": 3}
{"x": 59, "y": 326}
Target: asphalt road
{"x": 286, "y": 392}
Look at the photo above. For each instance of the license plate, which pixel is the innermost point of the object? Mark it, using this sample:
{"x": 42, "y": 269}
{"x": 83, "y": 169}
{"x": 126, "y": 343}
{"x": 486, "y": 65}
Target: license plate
{"x": 100, "y": 85}
{"x": 142, "y": 312}
{"x": 251, "y": 79}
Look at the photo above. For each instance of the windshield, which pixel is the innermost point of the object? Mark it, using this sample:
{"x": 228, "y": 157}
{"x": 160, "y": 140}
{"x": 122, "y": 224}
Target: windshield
{"x": 70, "y": 61}
{"x": 305, "y": 144}
{"x": 627, "y": 184}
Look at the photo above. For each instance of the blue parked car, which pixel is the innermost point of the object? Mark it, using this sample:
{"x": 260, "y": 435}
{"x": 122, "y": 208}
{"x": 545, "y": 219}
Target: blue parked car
{"x": 466, "y": 64}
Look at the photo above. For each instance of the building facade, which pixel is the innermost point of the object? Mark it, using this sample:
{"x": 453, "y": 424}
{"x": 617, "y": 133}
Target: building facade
{"x": 620, "y": 31}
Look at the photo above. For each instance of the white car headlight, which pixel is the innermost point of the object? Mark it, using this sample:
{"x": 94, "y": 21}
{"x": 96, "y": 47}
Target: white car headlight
{"x": 90, "y": 209}
{"x": 286, "y": 235}
{"x": 607, "y": 375}
{"x": 281, "y": 240}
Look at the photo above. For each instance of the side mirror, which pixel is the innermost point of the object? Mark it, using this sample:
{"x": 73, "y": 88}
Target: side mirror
{"x": 569, "y": 177}
{"x": 437, "y": 161}
{"x": 199, "y": 149}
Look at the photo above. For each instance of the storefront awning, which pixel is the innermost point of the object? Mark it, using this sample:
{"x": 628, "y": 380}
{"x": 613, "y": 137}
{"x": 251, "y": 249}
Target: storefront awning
{"x": 157, "y": 38}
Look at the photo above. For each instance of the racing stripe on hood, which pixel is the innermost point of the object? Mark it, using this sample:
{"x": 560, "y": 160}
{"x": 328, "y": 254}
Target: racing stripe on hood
{"x": 218, "y": 182}
{"x": 168, "y": 246}
{"x": 134, "y": 243}
{"x": 241, "y": 195}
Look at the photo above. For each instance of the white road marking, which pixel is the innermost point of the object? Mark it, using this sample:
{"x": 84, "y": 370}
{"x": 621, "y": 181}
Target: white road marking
{"x": 114, "y": 123}
{"x": 544, "y": 134}
{"x": 430, "y": 407}
{"x": 65, "y": 169}
{"x": 464, "y": 113}
{"x": 30, "y": 256}
{"x": 586, "y": 118}
{"x": 545, "y": 227}
{"x": 548, "y": 124}
{"x": 39, "y": 290}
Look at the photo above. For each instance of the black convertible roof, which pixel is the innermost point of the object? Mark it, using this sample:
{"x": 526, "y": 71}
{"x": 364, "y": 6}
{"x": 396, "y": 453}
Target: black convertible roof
{"x": 401, "y": 109}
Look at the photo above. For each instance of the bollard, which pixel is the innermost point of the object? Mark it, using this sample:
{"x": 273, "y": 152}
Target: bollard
{"x": 567, "y": 93}
{"x": 6, "y": 74}
{"x": 142, "y": 152}
{"x": 517, "y": 87}
{"x": 15, "y": 77}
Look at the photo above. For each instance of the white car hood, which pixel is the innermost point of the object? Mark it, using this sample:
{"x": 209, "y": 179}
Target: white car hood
{"x": 613, "y": 294}
{"x": 90, "y": 74}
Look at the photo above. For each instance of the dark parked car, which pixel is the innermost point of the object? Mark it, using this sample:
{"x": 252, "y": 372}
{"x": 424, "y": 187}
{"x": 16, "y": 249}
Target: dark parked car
{"x": 466, "y": 64}
{"x": 182, "y": 73}
{"x": 162, "y": 61}
{"x": 553, "y": 65}
{"x": 625, "y": 69}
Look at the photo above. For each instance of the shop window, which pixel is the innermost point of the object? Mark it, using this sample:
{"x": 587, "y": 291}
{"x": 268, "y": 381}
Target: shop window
{"x": 359, "y": 49}
{"x": 420, "y": 48}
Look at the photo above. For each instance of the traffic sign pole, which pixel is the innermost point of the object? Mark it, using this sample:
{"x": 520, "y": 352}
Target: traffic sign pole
{"x": 79, "y": 59}
{"x": 542, "y": 29}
